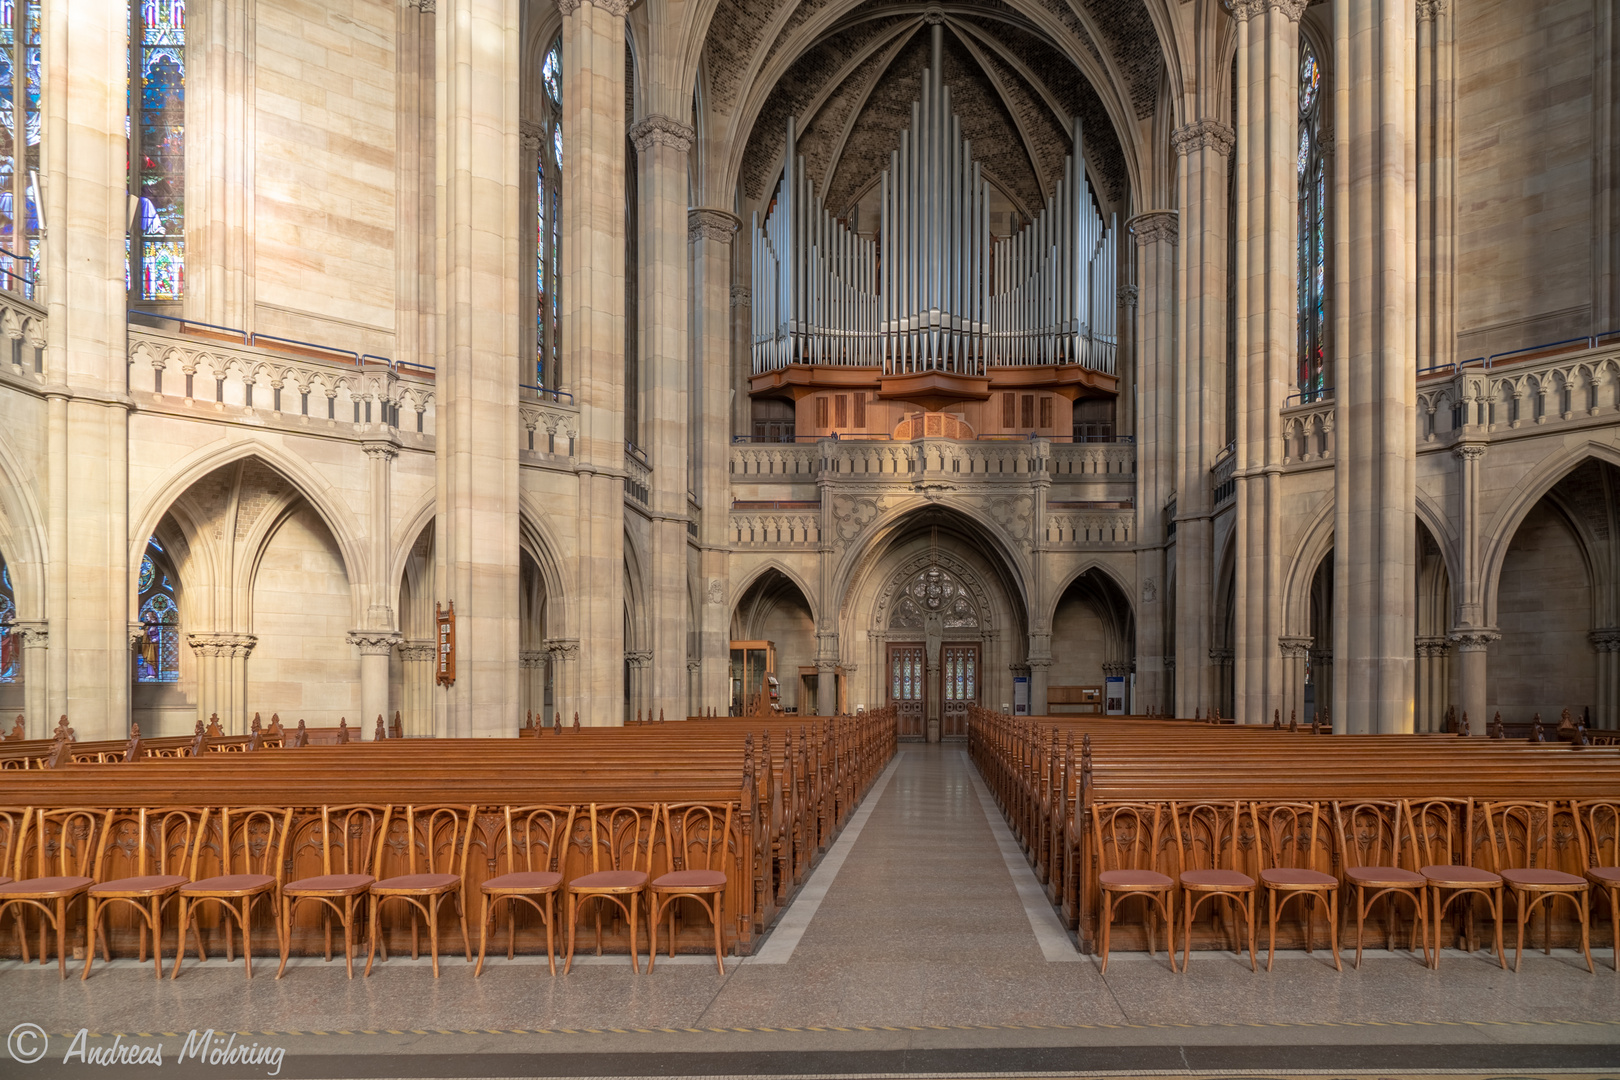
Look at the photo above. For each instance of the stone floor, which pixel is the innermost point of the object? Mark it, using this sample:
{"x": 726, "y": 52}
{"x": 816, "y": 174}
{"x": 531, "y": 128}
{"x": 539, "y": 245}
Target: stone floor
{"x": 921, "y": 946}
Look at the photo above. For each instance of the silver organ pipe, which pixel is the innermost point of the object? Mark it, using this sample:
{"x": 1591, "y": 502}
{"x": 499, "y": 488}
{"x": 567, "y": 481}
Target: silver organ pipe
{"x": 934, "y": 289}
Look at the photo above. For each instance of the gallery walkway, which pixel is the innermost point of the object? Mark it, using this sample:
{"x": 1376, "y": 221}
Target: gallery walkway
{"x": 921, "y": 946}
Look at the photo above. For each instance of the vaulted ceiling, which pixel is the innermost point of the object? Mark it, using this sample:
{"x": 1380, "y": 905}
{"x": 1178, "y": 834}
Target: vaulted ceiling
{"x": 1020, "y": 72}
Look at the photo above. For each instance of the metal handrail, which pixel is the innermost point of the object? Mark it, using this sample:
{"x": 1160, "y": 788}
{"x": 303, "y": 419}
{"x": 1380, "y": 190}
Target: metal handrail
{"x": 1315, "y": 396}
{"x": 555, "y": 395}
{"x": 253, "y": 339}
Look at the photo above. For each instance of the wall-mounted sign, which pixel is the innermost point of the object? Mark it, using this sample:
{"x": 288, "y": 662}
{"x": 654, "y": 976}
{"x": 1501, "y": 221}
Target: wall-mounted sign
{"x": 445, "y": 673}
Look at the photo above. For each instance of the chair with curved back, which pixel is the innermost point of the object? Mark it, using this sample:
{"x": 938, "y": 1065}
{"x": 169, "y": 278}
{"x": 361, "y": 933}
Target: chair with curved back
{"x": 66, "y": 843}
{"x": 536, "y": 835}
{"x": 349, "y": 840}
{"x": 696, "y": 826}
{"x": 252, "y": 860}
{"x": 1443, "y": 831}
{"x": 13, "y": 824}
{"x": 1599, "y": 824}
{"x": 1374, "y": 837}
{"x": 163, "y": 843}
{"x": 437, "y": 839}
{"x": 1296, "y": 860}
{"x": 619, "y": 835}
{"x": 1206, "y": 852}
{"x": 1523, "y": 843}
{"x": 1127, "y": 838}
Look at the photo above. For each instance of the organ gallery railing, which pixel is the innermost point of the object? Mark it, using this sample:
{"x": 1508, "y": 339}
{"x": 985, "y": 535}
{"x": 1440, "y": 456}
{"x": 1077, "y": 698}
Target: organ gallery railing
{"x": 934, "y": 290}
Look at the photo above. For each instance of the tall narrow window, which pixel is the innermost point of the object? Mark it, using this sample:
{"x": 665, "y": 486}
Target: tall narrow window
{"x": 10, "y": 646}
{"x": 1312, "y": 173}
{"x": 157, "y": 149}
{"x": 158, "y": 659}
{"x": 548, "y": 224}
{"x": 19, "y": 145}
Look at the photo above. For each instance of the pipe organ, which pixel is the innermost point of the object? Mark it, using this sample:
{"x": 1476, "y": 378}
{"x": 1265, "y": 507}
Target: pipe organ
{"x": 935, "y": 291}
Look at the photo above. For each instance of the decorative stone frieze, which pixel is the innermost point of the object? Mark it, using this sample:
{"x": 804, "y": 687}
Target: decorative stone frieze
{"x": 1205, "y": 134}
{"x": 659, "y": 130}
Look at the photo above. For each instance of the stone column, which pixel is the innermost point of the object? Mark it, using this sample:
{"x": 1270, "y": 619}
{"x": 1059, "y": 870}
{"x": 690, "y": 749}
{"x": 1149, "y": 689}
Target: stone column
{"x": 380, "y": 457}
{"x": 1436, "y": 185}
{"x": 1471, "y": 643}
{"x": 375, "y": 649}
{"x": 710, "y": 232}
{"x": 35, "y": 638}
{"x": 662, "y": 144}
{"x": 220, "y": 119}
{"x": 593, "y": 336}
{"x": 533, "y": 704}
{"x": 476, "y": 530}
{"x": 639, "y": 698}
{"x": 1266, "y": 334}
{"x": 221, "y": 660}
{"x": 565, "y": 676}
{"x": 1296, "y": 656}
{"x": 416, "y": 710}
{"x": 1202, "y": 148}
{"x": 1606, "y": 710}
{"x": 826, "y": 686}
{"x": 86, "y": 364}
{"x": 1156, "y": 241}
{"x": 1374, "y": 342}
{"x": 1040, "y": 674}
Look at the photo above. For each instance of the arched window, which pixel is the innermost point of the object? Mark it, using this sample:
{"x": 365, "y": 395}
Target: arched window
{"x": 10, "y": 645}
{"x": 19, "y": 144}
{"x": 548, "y": 224}
{"x": 158, "y": 659}
{"x": 155, "y": 266}
{"x": 1312, "y": 170}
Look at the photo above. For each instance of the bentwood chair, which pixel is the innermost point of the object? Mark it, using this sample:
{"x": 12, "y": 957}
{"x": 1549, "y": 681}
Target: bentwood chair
{"x": 1373, "y": 837}
{"x": 1296, "y": 857}
{"x": 252, "y": 854}
{"x": 67, "y": 851}
{"x": 532, "y": 839}
{"x": 695, "y": 829}
{"x": 164, "y": 843}
{"x": 443, "y": 836}
{"x": 1599, "y": 824}
{"x": 1206, "y": 850}
{"x": 619, "y": 835}
{"x": 349, "y": 839}
{"x": 1128, "y": 839}
{"x": 1444, "y": 835}
{"x": 1523, "y": 842}
{"x": 13, "y": 824}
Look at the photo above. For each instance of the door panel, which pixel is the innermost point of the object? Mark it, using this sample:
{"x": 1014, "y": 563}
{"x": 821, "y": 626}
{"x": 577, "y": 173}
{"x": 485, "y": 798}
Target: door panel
{"x": 908, "y": 678}
{"x": 959, "y": 672}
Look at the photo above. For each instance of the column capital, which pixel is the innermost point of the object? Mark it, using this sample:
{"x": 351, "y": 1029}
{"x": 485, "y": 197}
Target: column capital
{"x": 1429, "y": 10}
{"x": 37, "y": 635}
{"x": 1128, "y": 295}
{"x": 1118, "y": 669}
{"x": 1244, "y": 10}
{"x": 426, "y": 7}
{"x": 657, "y": 130}
{"x": 1605, "y": 639}
{"x": 741, "y": 295}
{"x": 1153, "y": 226}
{"x": 416, "y": 650}
{"x": 374, "y": 642}
{"x": 563, "y": 648}
{"x": 531, "y": 658}
{"x": 1296, "y": 647}
{"x": 621, "y": 8}
{"x": 638, "y": 658}
{"x": 707, "y": 223}
{"x": 532, "y": 134}
{"x": 1205, "y": 134}
{"x": 387, "y": 451}
{"x": 1473, "y": 638}
{"x": 221, "y": 644}
{"x": 1470, "y": 451}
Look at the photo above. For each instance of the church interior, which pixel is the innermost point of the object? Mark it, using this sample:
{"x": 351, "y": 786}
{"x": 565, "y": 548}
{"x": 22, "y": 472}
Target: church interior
{"x": 863, "y": 512}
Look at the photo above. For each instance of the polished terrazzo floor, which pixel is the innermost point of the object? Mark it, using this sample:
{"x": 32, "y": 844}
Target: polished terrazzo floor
{"x": 921, "y": 946}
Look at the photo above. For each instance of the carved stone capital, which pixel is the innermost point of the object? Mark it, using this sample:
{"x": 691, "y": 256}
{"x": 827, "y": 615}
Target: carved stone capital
{"x": 374, "y": 642}
{"x": 205, "y": 644}
{"x": 563, "y": 648}
{"x": 426, "y": 7}
{"x": 1205, "y": 134}
{"x": 639, "y": 659}
{"x": 621, "y": 8}
{"x": 1472, "y": 638}
{"x": 1430, "y": 10}
{"x": 531, "y": 658}
{"x": 1292, "y": 9}
{"x": 1156, "y": 226}
{"x": 416, "y": 651}
{"x": 1128, "y": 295}
{"x": 1116, "y": 669}
{"x": 1295, "y": 648}
{"x": 1605, "y": 639}
{"x": 1469, "y": 451}
{"x": 532, "y": 134}
{"x": 387, "y": 451}
{"x": 1433, "y": 646}
{"x": 705, "y": 223}
{"x": 659, "y": 130}
{"x": 741, "y": 295}
{"x": 37, "y": 635}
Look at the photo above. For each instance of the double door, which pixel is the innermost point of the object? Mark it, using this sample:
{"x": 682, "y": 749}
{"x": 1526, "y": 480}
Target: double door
{"x": 910, "y": 690}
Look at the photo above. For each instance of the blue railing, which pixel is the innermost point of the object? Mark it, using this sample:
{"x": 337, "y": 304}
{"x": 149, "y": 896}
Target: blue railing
{"x": 545, "y": 392}
{"x": 1309, "y": 397}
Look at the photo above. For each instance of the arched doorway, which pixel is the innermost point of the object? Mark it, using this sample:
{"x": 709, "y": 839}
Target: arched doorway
{"x": 774, "y": 609}
{"x": 1093, "y": 640}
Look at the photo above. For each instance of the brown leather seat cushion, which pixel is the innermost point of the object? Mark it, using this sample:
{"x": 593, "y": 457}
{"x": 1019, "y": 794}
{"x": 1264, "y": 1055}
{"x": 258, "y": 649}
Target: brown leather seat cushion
{"x": 1542, "y": 877}
{"x": 417, "y": 883}
{"x": 523, "y": 880}
{"x": 1284, "y": 877}
{"x": 330, "y": 883}
{"x": 691, "y": 879}
{"x": 1459, "y": 875}
{"x": 1216, "y": 879}
{"x": 1133, "y": 879}
{"x": 610, "y": 879}
{"x": 236, "y": 884}
{"x": 1383, "y": 876}
{"x": 146, "y": 883}
{"x": 47, "y": 886}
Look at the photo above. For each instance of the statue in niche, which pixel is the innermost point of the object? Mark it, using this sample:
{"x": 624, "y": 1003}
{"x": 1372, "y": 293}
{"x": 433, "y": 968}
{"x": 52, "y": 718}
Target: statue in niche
{"x": 933, "y": 635}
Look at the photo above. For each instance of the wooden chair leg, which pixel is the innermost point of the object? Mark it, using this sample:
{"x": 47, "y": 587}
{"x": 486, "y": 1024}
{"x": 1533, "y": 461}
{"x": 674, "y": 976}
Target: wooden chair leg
{"x": 91, "y": 916}
{"x": 284, "y": 922}
{"x": 1271, "y": 940}
{"x": 1585, "y": 904}
{"x": 1249, "y": 906}
{"x": 1333, "y": 928}
{"x": 573, "y": 914}
{"x": 433, "y": 931}
{"x": 550, "y": 917}
{"x": 179, "y": 940}
{"x": 719, "y": 946}
{"x": 371, "y": 930}
{"x": 635, "y": 957}
{"x": 461, "y": 915}
{"x": 1107, "y": 922}
{"x": 483, "y": 931}
{"x": 247, "y": 934}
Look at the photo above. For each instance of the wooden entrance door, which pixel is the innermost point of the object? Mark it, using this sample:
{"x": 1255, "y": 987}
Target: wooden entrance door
{"x": 959, "y": 672}
{"x": 908, "y": 679}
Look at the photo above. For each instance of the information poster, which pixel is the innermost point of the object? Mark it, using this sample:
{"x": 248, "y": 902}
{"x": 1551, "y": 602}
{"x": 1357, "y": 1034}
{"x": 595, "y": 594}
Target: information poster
{"x": 1021, "y": 695}
{"x": 1116, "y": 695}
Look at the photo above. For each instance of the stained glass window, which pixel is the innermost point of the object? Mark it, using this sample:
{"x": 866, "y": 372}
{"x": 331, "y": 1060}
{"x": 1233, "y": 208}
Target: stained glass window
{"x": 19, "y": 145}
{"x": 548, "y": 227}
{"x": 157, "y": 150}
{"x": 1311, "y": 169}
{"x": 158, "y": 658}
{"x": 10, "y": 644}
